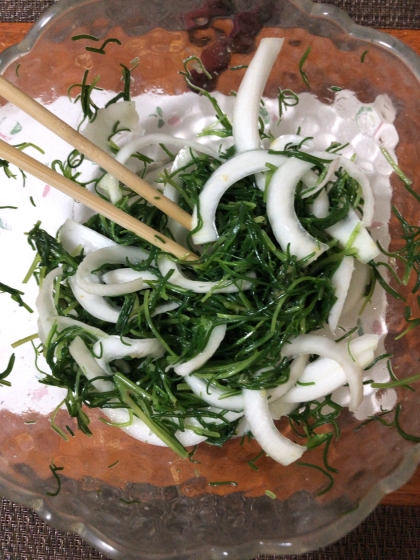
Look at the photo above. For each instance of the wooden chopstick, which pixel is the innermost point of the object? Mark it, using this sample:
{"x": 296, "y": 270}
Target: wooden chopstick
{"x": 44, "y": 173}
{"x": 34, "y": 109}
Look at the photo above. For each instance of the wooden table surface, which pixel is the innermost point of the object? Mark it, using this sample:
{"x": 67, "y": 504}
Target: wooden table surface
{"x": 409, "y": 494}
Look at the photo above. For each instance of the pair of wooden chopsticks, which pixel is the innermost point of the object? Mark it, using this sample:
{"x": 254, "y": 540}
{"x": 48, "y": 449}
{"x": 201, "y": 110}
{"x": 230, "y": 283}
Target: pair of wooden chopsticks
{"x": 91, "y": 151}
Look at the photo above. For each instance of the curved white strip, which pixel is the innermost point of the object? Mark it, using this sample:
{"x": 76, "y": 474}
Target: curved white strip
{"x": 281, "y": 211}
{"x": 213, "y": 396}
{"x": 73, "y": 235}
{"x": 247, "y": 103}
{"x": 359, "y": 281}
{"x": 321, "y": 205}
{"x": 99, "y": 130}
{"x": 137, "y": 429}
{"x": 47, "y": 313}
{"x": 123, "y": 275}
{"x": 116, "y": 348}
{"x": 296, "y": 370}
{"x": 165, "y": 265}
{"x": 326, "y": 348}
{"x": 341, "y": 282}
{"x": 110, "y": 184}
{"x": 343, "y": 230}
{"x": 235, "y": 169}
{"x": 215, "y": 339}
{"x": 265, "y": 432}
{"x": 109, "y": 255}
{"x": 97, "y": 306}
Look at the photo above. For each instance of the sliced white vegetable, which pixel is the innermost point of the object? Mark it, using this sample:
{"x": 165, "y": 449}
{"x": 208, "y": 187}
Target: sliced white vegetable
{"x": 137, "y": 429}
{"x": 235, "y": 169}
{"x": 360, "y": 176}
{"x": 177, "y": 278}
{"x": 97, "y": 306}
{"x": 109, "y": 255}
{"x": 47, "y": 313}
{"x": 248, "y": 98}
{"x": 359, "y": 281}
{"x": 265, "y": 432}
{"x": 280, "y": 408}
{"x": 215, "y": 339}
{"x": 111, "y": 185}
{"x": 73, "y": 235}
{"x": 325, "y": 375}
{"x": 329, "y": 176}
{"x": 344, "y": 230}
{"x": 122, "y": 275}
{"x": 99, "y": 130}
{"x": 165, "y": 308}
{"x": 326, "y": 348}
{"x": 297, "y": 368}
{"x": 182, "y": 159}
{"x": 341, "y": 282}
{"x": 321, "y": 205}
{"x": 281, "y": 211}
{"x": 213, "y": 396}
{"x": 45, "y": 304}
{"x": 116, "y": 348}
{"x": 242, "y": 428}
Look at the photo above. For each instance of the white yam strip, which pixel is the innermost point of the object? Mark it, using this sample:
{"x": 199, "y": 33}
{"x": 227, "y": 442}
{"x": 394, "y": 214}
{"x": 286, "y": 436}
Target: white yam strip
{"x": 279, "y": 408}
{"x": 182, "y": 159}
{"x": 248, "y": 98}
{"x": 99, "y": 130}
{"x": 153, "y": 139}
{"x": 122, "y": 275}
{"x": 166, "y": 265}
{"x": 341, "y": 282}
{"x": 281, "y": 211}
{"x": 242, "y": 428}
{"x": 109, "y": 255}
{"x": 97, "y": 306}
{"x": 326, "y": 375}
{"x": 332, "y": 168}
{"x": 213, "y": 396}
{"x": 137, "y": 429}
{"x": 359, "y": 281}
{"x": 215, "y": 339}
{"x": 235, "y": 169}
{"x": 45, "y": 304}
{"x": 265, "y": 432}
{"x": 165, "y": 308}
{"x": 326, "y": 348}
{"x": 296, "y": 370}
{"x": 343, "y": 230}
{"x": 360, "y": 176}
{"x": 111, "y": 185}
{"x": 73, "y": 235}
{"x": 47, "y": 313}
{"x": 92, "y": 369}
{"x": 321, "y": 205}
{"x": 116, "y": 348}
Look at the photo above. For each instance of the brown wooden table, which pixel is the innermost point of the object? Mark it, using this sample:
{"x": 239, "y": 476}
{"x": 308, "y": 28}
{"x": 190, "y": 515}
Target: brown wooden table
{"x": 409, "y": 494}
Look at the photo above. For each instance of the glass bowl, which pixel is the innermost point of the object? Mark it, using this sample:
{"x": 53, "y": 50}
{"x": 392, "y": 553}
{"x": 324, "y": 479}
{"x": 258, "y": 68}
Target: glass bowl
{"x": 134, "y": 501}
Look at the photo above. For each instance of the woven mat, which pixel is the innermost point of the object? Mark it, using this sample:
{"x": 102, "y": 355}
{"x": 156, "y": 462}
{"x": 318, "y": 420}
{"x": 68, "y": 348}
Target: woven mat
{"x": 397, "y": 14}
{"x": 389, "y": 533}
